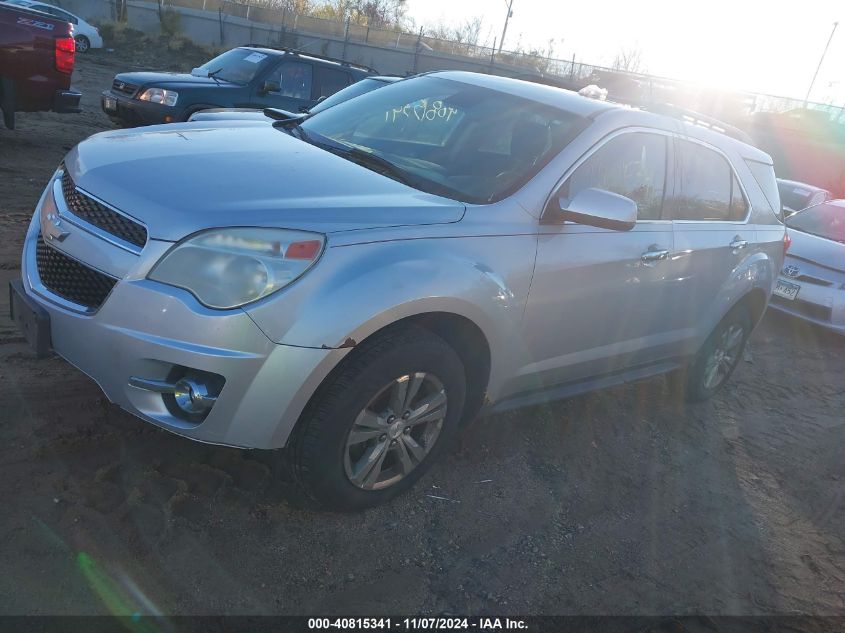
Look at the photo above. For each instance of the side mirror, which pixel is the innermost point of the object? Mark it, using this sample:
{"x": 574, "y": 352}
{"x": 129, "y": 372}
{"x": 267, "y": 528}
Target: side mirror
{"x": 199, "y": 72}
{"x": 596, "y": 207}
{"x": 270, "y": 86}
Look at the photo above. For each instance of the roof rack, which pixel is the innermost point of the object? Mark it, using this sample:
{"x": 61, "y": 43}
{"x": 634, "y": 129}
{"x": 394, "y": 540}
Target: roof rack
{"x": 697, "y": 118}
{"x": 296, "y": 51}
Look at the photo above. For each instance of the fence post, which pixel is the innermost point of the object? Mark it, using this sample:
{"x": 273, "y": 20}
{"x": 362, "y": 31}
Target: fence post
{"x": 572, "y": 68}
{"x": 417, "y": 50}
{"x": 367, "y": 35}
{"x": 220, "y": 18}
{"x": 493, "y": 55}
{"x": 345, "y": 39}
{"x": 247, "y": 11}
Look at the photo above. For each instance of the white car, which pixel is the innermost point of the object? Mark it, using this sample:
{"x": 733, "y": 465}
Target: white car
{"x": 812, "y": 282}
{"x": 86, "y": 35}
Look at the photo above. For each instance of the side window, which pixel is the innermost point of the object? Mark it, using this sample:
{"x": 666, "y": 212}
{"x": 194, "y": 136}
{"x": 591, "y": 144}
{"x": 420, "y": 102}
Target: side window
{"x": 330, "y": 80}
{"x": 632, "y": 165}
{"x": 739, "y": 207}
{"x": 705, "y": 185}
{"x": 295, "y": 80}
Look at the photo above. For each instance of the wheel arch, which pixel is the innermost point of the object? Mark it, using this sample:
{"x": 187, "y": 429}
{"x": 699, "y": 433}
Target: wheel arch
{"x": 460, "y": 333}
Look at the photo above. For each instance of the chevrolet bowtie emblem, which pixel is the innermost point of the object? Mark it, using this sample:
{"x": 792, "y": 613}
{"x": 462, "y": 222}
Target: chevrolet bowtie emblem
{"x": 53, "y": 229}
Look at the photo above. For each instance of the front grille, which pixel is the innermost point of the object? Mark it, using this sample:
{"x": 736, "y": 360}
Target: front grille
{"x": 71, "y": 279}
{"x": 101, "y": 216}
{"x": 805, "y": 308}
{"x": 123, "y": 87}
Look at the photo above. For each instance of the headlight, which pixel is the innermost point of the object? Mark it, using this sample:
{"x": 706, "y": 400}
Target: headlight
{"x": 159, "y": 95}
{"x": 227, "y": 268}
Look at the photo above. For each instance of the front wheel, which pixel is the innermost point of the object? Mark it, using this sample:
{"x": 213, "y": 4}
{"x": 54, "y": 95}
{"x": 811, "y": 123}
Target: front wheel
{"x": 82, "y": 44}
{"x": 380, "y": 420}
{"x": 718, "y": 357}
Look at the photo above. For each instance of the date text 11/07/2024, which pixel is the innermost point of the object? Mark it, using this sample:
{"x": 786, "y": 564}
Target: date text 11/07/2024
{"x": 418, "y": 624}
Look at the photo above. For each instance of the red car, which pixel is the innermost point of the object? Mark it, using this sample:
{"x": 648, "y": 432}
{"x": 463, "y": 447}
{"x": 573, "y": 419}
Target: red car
{"x": 36, "y": 63}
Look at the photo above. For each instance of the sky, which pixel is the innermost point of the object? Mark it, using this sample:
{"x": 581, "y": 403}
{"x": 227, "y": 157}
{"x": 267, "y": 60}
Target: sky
{"x": 754, "y": 45}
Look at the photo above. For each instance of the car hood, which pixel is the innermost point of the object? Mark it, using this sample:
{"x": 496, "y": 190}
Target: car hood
{"x": 181, "y": 178}
{"x": 169, "y": 80}
{"x": 819, "y": 250}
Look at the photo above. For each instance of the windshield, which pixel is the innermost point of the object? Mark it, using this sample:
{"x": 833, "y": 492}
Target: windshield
{"x": 239, "y": 65}
{"x": 452, "y": 138}
{"x": 824, "y": 220}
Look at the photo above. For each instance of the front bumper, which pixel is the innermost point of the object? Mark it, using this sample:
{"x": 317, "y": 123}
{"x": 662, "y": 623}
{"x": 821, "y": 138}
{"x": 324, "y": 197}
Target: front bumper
{"x": 823, "y": 306}
{"x": 130, "y": 112}
{"x": 146, "y": 329}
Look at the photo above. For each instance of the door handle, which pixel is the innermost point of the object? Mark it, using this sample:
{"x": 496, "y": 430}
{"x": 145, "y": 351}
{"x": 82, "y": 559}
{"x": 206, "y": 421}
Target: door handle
{"x": 653, "y": 255}
{"x": 738, "y": 243}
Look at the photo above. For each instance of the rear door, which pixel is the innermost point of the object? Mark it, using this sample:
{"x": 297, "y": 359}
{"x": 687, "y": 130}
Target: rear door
{"x": 709, "y": 213}
{"x": 328, "y": 80}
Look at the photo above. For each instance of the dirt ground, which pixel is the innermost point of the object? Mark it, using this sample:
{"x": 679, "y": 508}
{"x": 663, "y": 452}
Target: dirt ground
{"x": 619, "y": 502}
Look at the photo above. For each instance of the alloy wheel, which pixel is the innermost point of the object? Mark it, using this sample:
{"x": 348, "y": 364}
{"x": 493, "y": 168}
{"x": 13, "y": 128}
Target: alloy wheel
{"x": 724, "y": 357}
{"x": 395, "y": 431}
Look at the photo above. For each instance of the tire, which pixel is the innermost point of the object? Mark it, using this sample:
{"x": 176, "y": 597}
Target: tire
{"x": 327, "y": 457}
{"x": 727, "y": 341}
{"x": 7, "y": 102}
{"x": 83, "y": 44}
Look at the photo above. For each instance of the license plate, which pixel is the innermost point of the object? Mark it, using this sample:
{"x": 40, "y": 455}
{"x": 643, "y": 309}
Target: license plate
{"x": 32, "y": 319}
{"x": 786, "y": 290}
{"x": 110, "y": 104}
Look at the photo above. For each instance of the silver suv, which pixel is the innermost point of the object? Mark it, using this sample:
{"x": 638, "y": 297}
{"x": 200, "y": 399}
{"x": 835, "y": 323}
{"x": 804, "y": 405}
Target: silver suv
{"x": 356, "y": 285}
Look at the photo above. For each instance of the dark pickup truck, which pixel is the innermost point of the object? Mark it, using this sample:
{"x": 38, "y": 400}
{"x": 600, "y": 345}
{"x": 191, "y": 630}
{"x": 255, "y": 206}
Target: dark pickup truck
{"x": 36, "y": 63}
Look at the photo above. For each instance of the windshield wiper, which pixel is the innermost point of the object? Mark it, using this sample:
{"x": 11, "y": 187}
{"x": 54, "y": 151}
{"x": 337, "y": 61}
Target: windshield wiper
{"x": 373, "y": 162}
{"x": 213, "y": 75}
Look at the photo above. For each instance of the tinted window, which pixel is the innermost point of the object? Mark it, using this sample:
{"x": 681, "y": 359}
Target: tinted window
{"x": 705, "y": 184}
{"x": 739, "y": 207}
{"x": 295, "y": 80}
{"x": 765, "y": 177}
{"x": 824, "y": 220}
{"x": 330, "y": 80}
{"x": 632, "y": 165}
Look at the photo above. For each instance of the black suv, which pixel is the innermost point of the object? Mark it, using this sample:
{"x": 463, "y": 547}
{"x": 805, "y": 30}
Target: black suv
{"x": 244, "y": 77}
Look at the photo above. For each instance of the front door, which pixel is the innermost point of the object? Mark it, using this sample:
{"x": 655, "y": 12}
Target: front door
{"x": 597, "y": 299}
{"x": 290, "y": 87}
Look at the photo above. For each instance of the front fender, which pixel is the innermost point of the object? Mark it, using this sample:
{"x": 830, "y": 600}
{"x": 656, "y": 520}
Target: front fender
{"x": 359, "y": 289}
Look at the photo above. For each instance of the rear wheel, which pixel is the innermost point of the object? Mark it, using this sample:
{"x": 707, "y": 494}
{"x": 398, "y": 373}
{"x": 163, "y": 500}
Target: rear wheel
{"x": 82, "y": 44}
{"x": 718, "y": 357}
{"x": 380, "y": 420}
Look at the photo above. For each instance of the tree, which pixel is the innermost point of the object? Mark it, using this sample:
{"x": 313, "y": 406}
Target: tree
{"x": 374, "y": 13}
{"x": 629, "y": 59}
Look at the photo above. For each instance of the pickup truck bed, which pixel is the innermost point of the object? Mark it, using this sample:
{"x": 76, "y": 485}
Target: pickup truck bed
{"x": 36, "y": 63}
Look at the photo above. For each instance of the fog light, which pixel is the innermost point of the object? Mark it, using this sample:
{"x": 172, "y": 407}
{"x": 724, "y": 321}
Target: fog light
{"x": 192, "y": 396}
{"x": 189, "y": 394}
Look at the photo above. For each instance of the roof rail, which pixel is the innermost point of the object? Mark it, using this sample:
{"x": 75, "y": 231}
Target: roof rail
{"x": 697, "y": 118}
{"x": 295, "y": 51}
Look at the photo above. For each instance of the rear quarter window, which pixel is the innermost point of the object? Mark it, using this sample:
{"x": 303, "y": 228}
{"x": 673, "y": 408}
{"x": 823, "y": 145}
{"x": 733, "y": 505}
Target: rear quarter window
{"x": 764, "y": 175}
